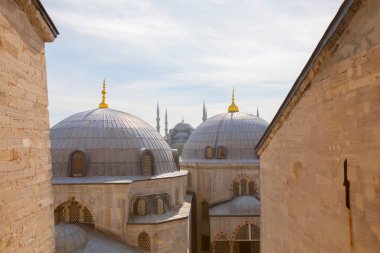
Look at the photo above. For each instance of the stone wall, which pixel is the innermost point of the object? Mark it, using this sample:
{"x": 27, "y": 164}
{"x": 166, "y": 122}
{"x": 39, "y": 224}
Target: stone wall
{"x": 303, "y": 199}
{"x": 26, "y": 214}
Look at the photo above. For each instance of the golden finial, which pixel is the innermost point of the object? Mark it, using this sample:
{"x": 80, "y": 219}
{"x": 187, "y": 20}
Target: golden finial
{"x": 233, "y": 107}
{"x": 103, "y": 104}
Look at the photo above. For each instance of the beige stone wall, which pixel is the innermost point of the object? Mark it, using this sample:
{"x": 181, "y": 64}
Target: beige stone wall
{"x": 165, "y": 237}
{"x": 213, "y": 183}
{"x": 26, "y": 214}
{"x": 337, "y": 118}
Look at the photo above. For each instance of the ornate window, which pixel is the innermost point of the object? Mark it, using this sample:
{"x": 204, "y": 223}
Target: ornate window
{"x": 59, "y": 215}
{"x": 141, "y": 207}
{"x": 209, "y": 152}
{"x": 235, "y": 188}
{"x": 78, "y": 162}
{"x": 251, "y": 188}
{"x": 87, "y": 217}
{"x": 144, "y": 241}
{"x": 255, "y": 232}
{"x": 74, "y": 209}
{"x": 147, "y": 163}
{"x": 221, "y": 152}
{"x": 248, "y": 232}
{"x": 243, "y": 187}
{"x": 160, "y": 206}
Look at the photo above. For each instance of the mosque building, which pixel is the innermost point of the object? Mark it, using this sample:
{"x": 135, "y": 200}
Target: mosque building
{"x": 116, "y": 184}
{"x": 223, "y": 174}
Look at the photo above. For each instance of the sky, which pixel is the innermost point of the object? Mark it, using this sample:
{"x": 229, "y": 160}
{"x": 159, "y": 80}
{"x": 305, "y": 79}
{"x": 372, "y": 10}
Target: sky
{"x": 179, "y": 53}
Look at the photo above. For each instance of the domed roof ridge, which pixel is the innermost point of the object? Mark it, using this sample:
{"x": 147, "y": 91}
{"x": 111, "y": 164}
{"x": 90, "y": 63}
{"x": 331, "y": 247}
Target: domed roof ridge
{"x": 238, "y": 132}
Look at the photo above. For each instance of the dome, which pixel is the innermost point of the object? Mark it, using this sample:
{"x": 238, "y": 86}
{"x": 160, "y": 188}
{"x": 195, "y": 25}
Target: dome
{"x": 112, "y": 142}
{"x": 243, "y": 205}
{"x": 182, "y": 126}
{"x": 237, "y": 132}
{"x": 181, "y": 135}
{"x": 70, "y": 238}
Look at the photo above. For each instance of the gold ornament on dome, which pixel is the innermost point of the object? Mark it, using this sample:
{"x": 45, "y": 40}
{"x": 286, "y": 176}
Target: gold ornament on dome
{"x": 103, "y": 104}
{"x": 233, "y": 107}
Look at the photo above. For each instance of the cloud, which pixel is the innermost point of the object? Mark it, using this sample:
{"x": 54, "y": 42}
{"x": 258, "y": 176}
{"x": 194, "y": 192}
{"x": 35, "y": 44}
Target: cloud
{"x": 180, "y": 52}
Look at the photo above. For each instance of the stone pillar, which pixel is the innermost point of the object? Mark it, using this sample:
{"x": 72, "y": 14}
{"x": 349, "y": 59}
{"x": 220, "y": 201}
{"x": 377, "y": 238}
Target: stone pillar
{"x": 213, "y": 247}
{"x": 231, "y": 246}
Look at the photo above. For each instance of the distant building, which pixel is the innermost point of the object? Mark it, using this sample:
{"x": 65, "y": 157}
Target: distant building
{"x": 115, "y": 174}
{"x": 224, "y": 177}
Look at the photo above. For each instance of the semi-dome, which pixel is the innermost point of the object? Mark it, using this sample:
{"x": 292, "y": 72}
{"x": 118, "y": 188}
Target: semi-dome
{"x": 112, "y": 143}
{"x": 231, "y": 135}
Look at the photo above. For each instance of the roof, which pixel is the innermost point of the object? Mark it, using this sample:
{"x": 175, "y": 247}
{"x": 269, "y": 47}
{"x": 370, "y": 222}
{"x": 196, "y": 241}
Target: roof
{"x": 238, "y": 132}
{"x": 303, "y": 80}
{"x": 239, "y": 206}
{"x": 46, "y": 17}
{"x": 113, "y": 142}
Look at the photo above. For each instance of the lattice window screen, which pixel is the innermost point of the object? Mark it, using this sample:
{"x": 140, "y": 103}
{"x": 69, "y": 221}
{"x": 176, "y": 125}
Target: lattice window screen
{"x": 251, "y": 188}
{"x": 77, "y": 164}
{"x": 74, "y": 209}
{"x": 141, "y": 207}
{"x": 243, "y": 233}
{"x": 235, "y": 188}
{"x": 209, "y": 152}
{"x": 59, "y": 215}
{"x": 144, "y": 241}
{"x": 220, "y": 152}
{"x": 87, "y": 216}
{"x": 160, "y": 206}
{"x": 147, "y": 164}
{"x": 243, "y": 187}
{"x": 255, "y": 232}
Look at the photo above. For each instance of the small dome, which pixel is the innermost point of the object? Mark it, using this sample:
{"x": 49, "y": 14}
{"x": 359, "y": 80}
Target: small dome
{"x": 243, "y": 205}
{"x": 70, "y": 238}
{"x": 237, "y": 132}
{"x": 182, "y": 126}
{"x": 112, "y": 141}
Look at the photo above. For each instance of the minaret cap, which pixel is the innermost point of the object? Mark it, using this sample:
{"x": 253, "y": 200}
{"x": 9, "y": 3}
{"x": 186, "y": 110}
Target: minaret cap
{"x": 233, "y": 107}
{"x": 103, "y": 104}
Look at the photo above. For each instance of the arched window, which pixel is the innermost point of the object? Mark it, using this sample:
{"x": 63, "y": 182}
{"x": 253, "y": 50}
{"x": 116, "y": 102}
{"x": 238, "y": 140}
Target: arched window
{"x": 141, "y": 207}
{"x": 78, "y": 162}
{"x": 177, "y": 197}
{"x": 209, "y": 152}
{"x": 255, "y": 232}
{"x": 235, "y": 188}
{"x": 221, "y": 152}
{"x": 144, "y": 241}
{"x": 243, "y": 233}
{"x": 74, "y": 210}
{"x": 147, "y": 163}
{"x": 160, "y": 206}
{"x": 87, "y": 217}
{"x": 243, "y": 187}
{"x": 247, "y": 239}
{"x": 59, "y": 215}
{"x": 222, "y": 245}
{"x": 251, "y": 188}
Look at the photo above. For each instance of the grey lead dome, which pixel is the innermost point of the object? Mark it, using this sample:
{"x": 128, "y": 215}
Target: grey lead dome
{"x": 112, "y": 141}
{"x": 238, "y": 132}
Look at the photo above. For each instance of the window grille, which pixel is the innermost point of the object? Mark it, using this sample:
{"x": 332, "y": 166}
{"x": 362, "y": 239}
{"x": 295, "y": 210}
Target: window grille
{"x": 74, "y": 209}
{"x": 243, "y": 187}
{"x": 59, "y": 215}
{"x": 147, "y": 164}
{"x": 255, "y": 232}
{"x": 235, "y": 188}
{"x": 160, "y": 206}
{"x": 144, "y": 241}
{"x": 251, "y": 188}
{"x": 141, "y": 207}
{"x": 221, "y": 152}
{"x": 209, "y": 152}
{"x": 87, "y": 216}
{"x": 243, "y": 233}
{"x": 77, "y": 164}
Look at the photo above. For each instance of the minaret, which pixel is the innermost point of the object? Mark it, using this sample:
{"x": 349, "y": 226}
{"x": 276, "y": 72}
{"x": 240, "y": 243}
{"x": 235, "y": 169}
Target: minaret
{"x": 158, "y": 119}
{"x": 103, "y": 104}
{"x": 166, "y": 123}
{"x": 204, "y": 117}
{"x": 233, "y": 107}
{"x": 257, "y": 112}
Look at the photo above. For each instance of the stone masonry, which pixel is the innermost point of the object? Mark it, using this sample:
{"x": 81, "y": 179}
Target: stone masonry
{"x": 26, "y": 214}
{"x": 334, "y": 116}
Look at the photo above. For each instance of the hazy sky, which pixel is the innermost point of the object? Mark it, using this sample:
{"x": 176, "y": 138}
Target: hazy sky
{"x": 180, "y": 52}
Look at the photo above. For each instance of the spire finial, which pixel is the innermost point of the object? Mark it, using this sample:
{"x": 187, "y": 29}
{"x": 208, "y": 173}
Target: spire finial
{"x": 183, "y": 119}
{"x": 233, "y": 107}
{"x": 103, "y": 104}
{"x": 204, "y": 117}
